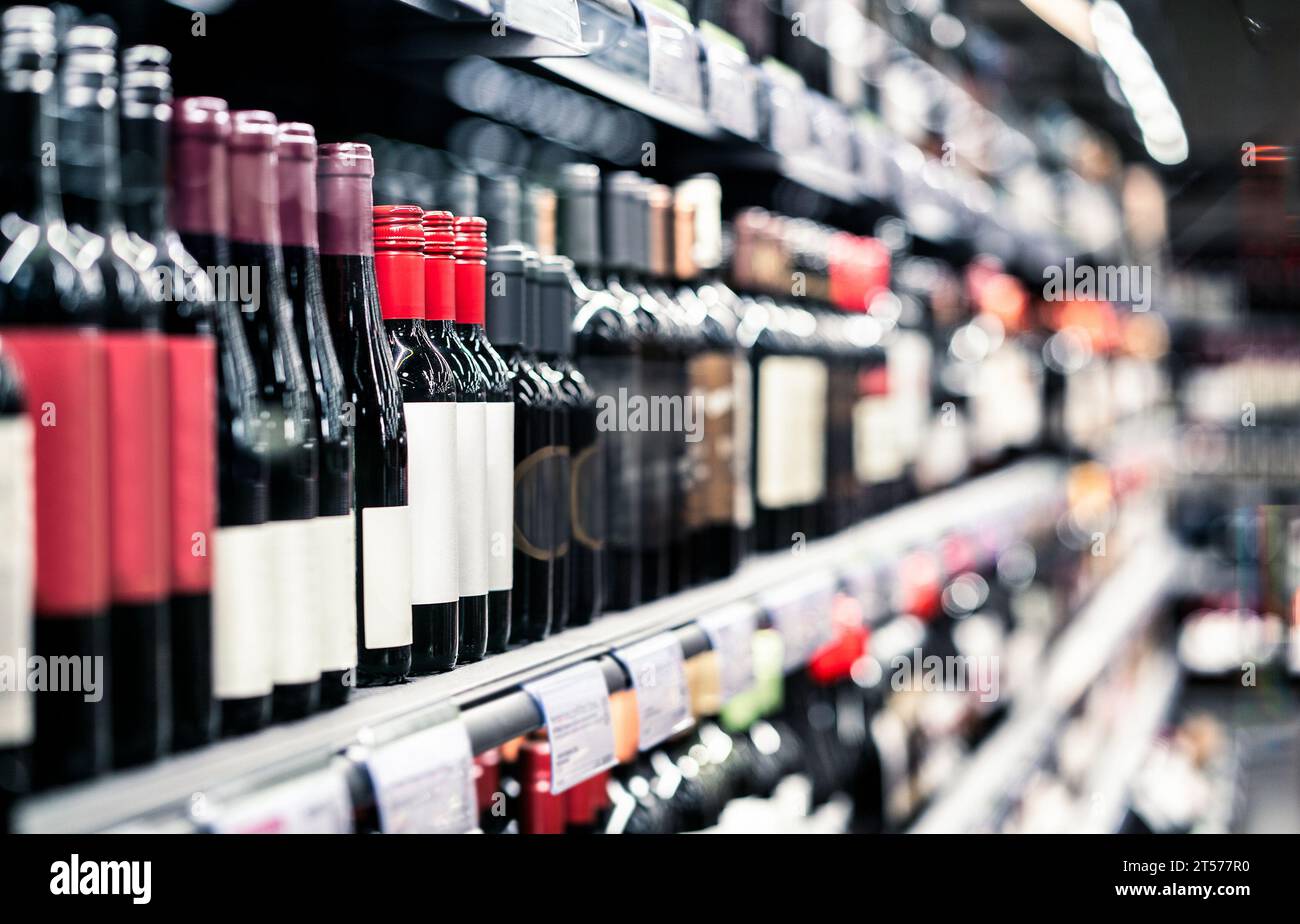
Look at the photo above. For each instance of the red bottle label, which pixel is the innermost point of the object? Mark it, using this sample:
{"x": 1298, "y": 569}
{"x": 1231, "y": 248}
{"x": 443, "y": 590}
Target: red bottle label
{"x": 192, "y": 377}
{"x": 138, "y": 480}
{"x": 64, "y": 374}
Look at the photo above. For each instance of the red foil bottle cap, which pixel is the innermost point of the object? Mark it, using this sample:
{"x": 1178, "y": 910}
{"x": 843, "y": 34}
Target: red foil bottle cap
{"x": 254, "y": 190}
{"x": 343, "y": 181}
{"x": 296, "y": 171}
{"x": 471, "y": 269}
{"x": 439, "y": 266}
{"x": 399, "y": 260}
{"x": 540, "y": 811}
{"x": 201, "y": 166}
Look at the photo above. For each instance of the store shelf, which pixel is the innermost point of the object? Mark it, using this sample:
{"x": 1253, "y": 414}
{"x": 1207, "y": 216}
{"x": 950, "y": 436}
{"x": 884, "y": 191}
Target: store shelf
{"x": 494, "y": 683}
{"x": 1094, "y": 639}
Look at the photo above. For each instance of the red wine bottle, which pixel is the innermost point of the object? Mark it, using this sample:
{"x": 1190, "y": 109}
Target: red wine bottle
{"x": 288, "y": 412}
{"x": 608, "y": 353}
{"x": 499, "y": 490}
{"x": 191, "y": 388}
{"x": 334, "y": 540}
{"x": 429, "y": 397}
{"x": 138, "y": 451}
{"x": 50, "y": 308}
{"x": 344, "y": 176}
{"x": 505, "y": 315}
{"x": 471, "y": 451}
{"x": 17, "y": 581}
{"x": 242, "y": 581}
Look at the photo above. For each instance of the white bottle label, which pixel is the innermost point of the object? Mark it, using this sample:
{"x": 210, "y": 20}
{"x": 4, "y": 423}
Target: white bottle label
{"x": 431, "y": 441}
{"x": 500, "y": 486}
{"x": 243, "y": 612}
{"x": 336, "y": 553}
{"x": 791, "y": 431}
{"x": 297, "y": 597}
{"x": 17, "y": 573}
{"x": 471, "y": 489}
{"x": 386, "y": 576}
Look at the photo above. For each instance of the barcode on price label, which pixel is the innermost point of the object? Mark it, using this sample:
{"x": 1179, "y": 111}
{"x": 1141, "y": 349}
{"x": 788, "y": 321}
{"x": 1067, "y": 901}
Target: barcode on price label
{"x": 424, "y": 781}
{"x": 575, "y": 710}
{"x": 315, "y": 803}
{"x": 658, "y": 672}
{"x": 801, "y": 615}
{"x": 731, "y": 634}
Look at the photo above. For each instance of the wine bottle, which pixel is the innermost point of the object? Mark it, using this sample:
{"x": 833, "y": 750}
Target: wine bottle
{"x": 50, "y": 307}
{"x": 136, "y": 354}
{"x": 334, "y": 532}
{"x": 607, "y": 352}
{"x": 384, "y": 622}
{"x": 471, "y": 449}
{"x": 288, "y": 416}
{"x": 506, "y": 312}
{"x": 242, "y": 591}
{"x": 17, "y": 581}
{"x": 471, "y": 253}
{"x": 191, "y": 387}
{"x": 429, "y": 398}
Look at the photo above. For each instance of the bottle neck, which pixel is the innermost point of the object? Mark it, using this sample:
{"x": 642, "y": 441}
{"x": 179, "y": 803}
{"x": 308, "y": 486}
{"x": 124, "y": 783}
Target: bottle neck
{"x": 91, "y": 178}
{"x": 144, "y": 167}
{"x": 27, "y": 152}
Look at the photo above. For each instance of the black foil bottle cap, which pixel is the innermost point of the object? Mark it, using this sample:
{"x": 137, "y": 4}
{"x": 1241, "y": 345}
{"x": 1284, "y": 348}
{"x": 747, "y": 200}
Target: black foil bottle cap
{"x": 557, "y": 306}
{"x": 626, "y": 220}
{"x": 507, "y": 293}
{"x": 578, "y": 224}
{"x": 500, "y": 201}
{"x": 532, "y": 302}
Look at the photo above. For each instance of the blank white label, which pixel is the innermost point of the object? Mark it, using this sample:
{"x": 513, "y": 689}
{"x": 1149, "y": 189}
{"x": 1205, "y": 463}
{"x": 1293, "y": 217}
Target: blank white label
{"x": 296, "y": 597}
{"x": 243, "y": 612}
{"x": 386, "y": 576}
{"x": 317, "y": 803}
{"x": 471, "y": 489}
{"x": 17, "y": 573}
{"x": 431, "y": 446}
{"x": 424, "y": 782}
{"x": 658, "y": 672}
{"x": 501, "y": 494}
{"x": 731, "y": 634}
{"x": 575, "y": 710}
{"x": 336, "y": 553}
{"x": 791, "y": 431}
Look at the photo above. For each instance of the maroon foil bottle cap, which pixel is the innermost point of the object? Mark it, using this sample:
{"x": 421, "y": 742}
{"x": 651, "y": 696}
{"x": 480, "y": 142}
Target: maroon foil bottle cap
{"x": 296, "y": 141}
{"x": 343, "y": 181}
{"x": 254, "y": 130}
{"x": 254, "y": 188}
{"x": 487, "y": 779}
{"x": 296, "y": 172}
{"x": 200, "y": 166}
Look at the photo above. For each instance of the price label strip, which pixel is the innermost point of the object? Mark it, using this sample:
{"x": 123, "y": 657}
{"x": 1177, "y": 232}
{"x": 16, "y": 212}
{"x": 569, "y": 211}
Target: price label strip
{"x": 674, "y": 53}
{"x": 732, "y": 82}
{"x": 731, "y": 634}
{"x": 801, "y": 614}
{"x": 424, "y": 781}
{"x": 575, "y": 709}
{"x": 552, "y": 19}
{"x": 658, "y": 671}
{"x": 315, "y": 803}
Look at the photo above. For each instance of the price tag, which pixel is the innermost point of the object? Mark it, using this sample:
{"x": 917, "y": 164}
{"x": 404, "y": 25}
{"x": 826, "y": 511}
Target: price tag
{"x": 552, "y": 19}
{"x": 801, "y": 615}
{"x": 575, "y": 708}
{"x": 424, "y": 781}
{"x": 789, "y": 130}
{"x": 732, "y": 82}
{"x": 316, "y": 803}
{"x": 674, "y": 56}
{"x": 658, "y": 672}
{"x": 731, "y": 634}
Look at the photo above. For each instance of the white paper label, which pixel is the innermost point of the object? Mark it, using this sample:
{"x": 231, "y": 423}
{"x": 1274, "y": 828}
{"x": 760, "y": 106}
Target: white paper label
{"x": 424, "y": 782}
{"x": 297, "y": 602}
{"x": 501, "y": 494}
{"x": 663, "y": 701}
{"x": 674, "y": 57}
{"x": 791, "y": 431}
{"x": 386, "y": 576}
{"x": 243, "y": 612}
{"x": 317, "y": 803}
{"x": 575, "y": 709}
{"x": 471, "y": 491}
{"x": 17, "y": 572}
{"x": 876, "y": 455}
{"x": 731, "y": 635}
{"x": 553, "y": 19}
{"x": 336, "y": 553}
{"x": 431, "y": 440}
{"x": 801, "y": 615}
